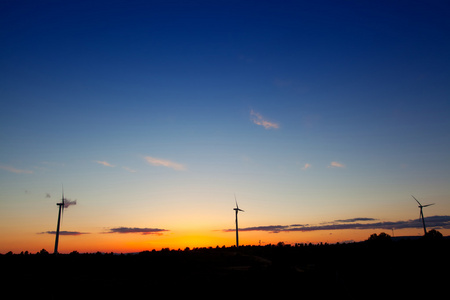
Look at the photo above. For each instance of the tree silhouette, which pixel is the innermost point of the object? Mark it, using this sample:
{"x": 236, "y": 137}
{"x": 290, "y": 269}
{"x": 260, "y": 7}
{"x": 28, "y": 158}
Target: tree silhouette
{"x": 43, "y": 252}
{"x": 381, "y": 238}
{"x": 433, "y": 234}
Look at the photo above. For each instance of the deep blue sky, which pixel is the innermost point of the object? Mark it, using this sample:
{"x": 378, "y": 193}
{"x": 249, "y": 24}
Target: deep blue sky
{"x": 363, "y": 84}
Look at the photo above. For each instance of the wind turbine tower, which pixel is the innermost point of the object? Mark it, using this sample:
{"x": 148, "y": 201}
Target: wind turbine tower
{"x": 65, "y": 203}
{"x": 237, "y": 209}
{"x": 421, "y": 213}
{"x": 61, "y": 209}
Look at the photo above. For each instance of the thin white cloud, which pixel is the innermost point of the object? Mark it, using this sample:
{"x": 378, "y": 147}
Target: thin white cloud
{"x": 105, "y": 163}
{"x": 335, "y": 164}
{"x": 14, "y": 170}
{"x": 306, "y": 166}
{"x": 164, "y": 163}
{"x": 129, "y": 170}
{"x": 258, "y": 119}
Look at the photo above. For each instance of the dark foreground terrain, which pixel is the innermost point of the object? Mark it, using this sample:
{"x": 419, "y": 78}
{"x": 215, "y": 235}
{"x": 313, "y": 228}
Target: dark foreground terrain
{"x": 371, "y": 268}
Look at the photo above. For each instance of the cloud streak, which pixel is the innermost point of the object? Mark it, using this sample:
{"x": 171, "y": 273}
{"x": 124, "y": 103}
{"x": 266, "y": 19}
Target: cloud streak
{"x": 63, "y": 232}
{"x": 107, "y": 164}
{"x": 143, "y": 231}
{"x": 258, "y": 119}
{"x": 164, "y": 163}
{"x": 436, "y": 222}
{"x": 14, "y": 170}
{"x": 129, "y": 170}
{"x": 354, "y": 220}
{"x": 335, "y": 164}
{"x": 104, "y": 163}
{"x": 306, "y": 166}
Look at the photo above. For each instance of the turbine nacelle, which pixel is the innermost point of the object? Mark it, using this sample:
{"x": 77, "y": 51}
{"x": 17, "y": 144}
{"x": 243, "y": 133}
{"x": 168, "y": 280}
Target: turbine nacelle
{"x": 237, "y": 206}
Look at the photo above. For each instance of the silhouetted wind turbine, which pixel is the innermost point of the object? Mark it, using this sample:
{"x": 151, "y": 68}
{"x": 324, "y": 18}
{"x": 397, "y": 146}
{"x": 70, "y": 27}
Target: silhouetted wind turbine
{"x": 237, "y": 209}
{"x": 65, "y": 203}
{"x": 421, "y": 213}
{"x": 61, "y": 208}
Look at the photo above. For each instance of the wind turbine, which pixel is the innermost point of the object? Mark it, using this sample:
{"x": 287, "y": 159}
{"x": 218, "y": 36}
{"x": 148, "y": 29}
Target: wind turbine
{"x": 61, "y": 209}
{"x": 421, "y": 213}
{"x": 65, "y": 203}
{"x": 237, "y": 209}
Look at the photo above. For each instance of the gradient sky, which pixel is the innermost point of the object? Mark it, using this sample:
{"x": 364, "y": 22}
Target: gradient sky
{"x": 154, "y": 113}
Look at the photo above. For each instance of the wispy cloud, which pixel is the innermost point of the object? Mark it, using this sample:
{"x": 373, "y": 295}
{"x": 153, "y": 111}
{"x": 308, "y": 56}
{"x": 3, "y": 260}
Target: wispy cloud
{"x": 437, "y": 222}
{"x": 306, "y": 166}
{"x": 164, "y": 163}
{"x": 14, "y": 170}
{"x": 354, "y": 220}
{"x": 258, "y": 119}
{"x": 105, "y": 163}
{"x": 129, "y": 170}
{"x": 335, "y": 164}
{"x": 143, "y": 231}
{"x": 63, "y": 232}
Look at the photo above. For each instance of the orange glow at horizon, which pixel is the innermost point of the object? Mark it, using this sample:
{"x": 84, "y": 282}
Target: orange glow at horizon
{"x": 181, "y": 239}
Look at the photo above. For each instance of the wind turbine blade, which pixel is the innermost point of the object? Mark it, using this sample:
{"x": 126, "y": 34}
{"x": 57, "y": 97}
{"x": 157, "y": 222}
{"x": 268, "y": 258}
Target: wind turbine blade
{"x": 62, "y": 213}
{"x": 63, "y": 204}
{"x": 428, "y": 205}
{"x": 416, "y": 200}
{"x": 235, "y": 200}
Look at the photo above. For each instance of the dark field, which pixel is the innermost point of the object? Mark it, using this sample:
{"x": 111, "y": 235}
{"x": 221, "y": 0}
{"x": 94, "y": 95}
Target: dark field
{"x": 371, "y": 268}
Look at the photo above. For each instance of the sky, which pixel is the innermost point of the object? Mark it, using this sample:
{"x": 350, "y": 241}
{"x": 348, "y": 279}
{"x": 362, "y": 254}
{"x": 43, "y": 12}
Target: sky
{"x": 321, "y": 117}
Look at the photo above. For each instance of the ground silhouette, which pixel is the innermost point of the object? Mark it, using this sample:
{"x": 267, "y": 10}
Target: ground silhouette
{"x": 376, "y": 266}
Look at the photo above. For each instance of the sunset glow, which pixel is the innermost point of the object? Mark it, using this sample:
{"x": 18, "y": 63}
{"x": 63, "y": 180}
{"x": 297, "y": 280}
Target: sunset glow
{"x": 323, "y": 119}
